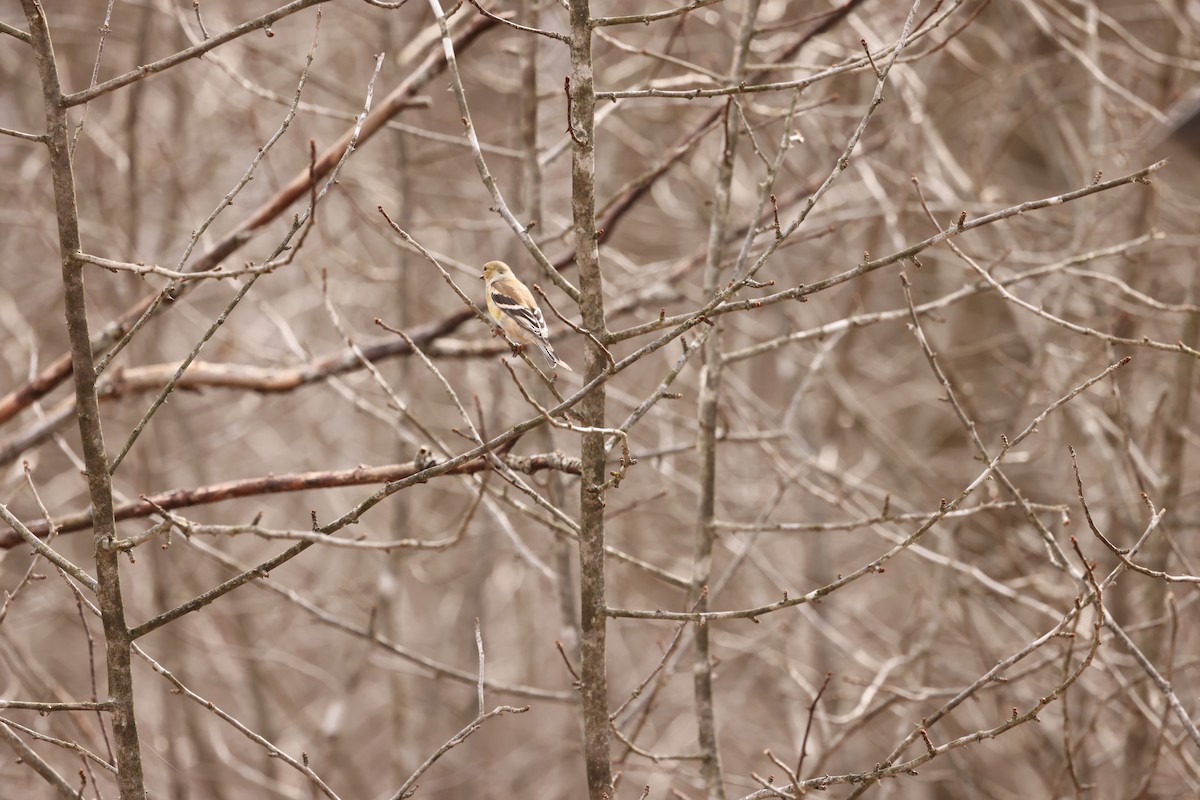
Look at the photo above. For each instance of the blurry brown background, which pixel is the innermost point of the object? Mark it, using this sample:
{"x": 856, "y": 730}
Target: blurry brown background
{"x": 1001, "y": 103}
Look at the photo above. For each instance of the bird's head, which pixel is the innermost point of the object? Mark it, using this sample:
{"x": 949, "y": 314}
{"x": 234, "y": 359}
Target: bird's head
{"x": 494, "y": 270}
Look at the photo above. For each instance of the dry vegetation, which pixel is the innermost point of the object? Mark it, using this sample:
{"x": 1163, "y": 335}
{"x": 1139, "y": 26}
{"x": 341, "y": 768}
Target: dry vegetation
{"x": 876, "y": 473}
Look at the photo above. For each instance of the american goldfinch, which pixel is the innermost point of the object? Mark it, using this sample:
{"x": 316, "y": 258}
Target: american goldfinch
{"x": 516, "y": 312}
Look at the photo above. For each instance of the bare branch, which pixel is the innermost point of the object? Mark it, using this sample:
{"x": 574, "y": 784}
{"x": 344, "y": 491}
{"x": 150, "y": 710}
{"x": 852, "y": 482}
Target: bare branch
{"x": 29, "y": 137}
{"x": 60, "y": 368}
{"x": 409, "y": 786}
{"x": 274, "y": 484}
{"x": 515, "y": 26}
{"x": 646, "y": 19}
{"x": 27, "y": 755}
{"x": 265, "y": 21}
{"x": 16, "y": 33}
{"x": 873, "y": 566}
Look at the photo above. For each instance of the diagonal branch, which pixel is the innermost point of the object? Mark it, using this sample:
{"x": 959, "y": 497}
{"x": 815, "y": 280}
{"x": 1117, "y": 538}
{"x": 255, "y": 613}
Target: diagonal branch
{"x": 134, "y": 75}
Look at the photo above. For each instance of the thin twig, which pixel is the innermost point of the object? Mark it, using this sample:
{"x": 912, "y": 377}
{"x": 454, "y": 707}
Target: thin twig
{"x": 400, "y": 98}
{"x": 646, "y": 19}
{"x": 171, "y": 289}
{"x": 300, "y": 765}
{"x": 1057, "y": 557}
{"x": 16, "y": 33}
{"x": 752, "y": 88}
{"x": 301, "y": 225}
{"x": 489, "y": 182}
{"x": 409, "y": 787}
{"x": 866, "y": 49}
{"x": 523, "y": 28}
{"x": 65, "y": 744}
{"x": 28, "y": 755}
{"x": 627, "y": 460}
{"x": 658, "y": 668}
{"x": 105, "y": 30}
{"x": 29, "y": 137}
{"x": 479, "y": 648}
{"x": 1155, "y": 518}
{"x": 862, "y": 320}
{"x": 265, "y": 21}
{"x": 607, "y": 355}
{"x": 51, "y": 555}
{"x": 999, "y": 288}
{"x": 891, "y": 767}
{"x": 812, "y": 713}
{"x": 873, "y": 566}
{"x": 10, "y": 595}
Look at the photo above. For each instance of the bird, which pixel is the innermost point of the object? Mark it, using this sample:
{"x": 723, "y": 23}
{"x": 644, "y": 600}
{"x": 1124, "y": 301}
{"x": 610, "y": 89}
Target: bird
{"x": 516, "y": 312}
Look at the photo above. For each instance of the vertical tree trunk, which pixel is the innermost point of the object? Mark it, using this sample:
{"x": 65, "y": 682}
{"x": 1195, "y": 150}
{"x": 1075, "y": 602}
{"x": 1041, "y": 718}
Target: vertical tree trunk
{"x": 116, "y": 632}
{"x": 710, "y": 395}
{"x": 591, "y": 539}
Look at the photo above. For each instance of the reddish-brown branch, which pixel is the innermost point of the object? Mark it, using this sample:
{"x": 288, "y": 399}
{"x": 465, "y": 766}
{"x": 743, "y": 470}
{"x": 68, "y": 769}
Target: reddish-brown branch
{"x": 293, "y": 482}
{"x": 250, "y": 377}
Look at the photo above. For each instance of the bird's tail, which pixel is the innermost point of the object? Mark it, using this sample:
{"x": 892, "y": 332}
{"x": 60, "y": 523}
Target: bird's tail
{"x": 554, "y": 361}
